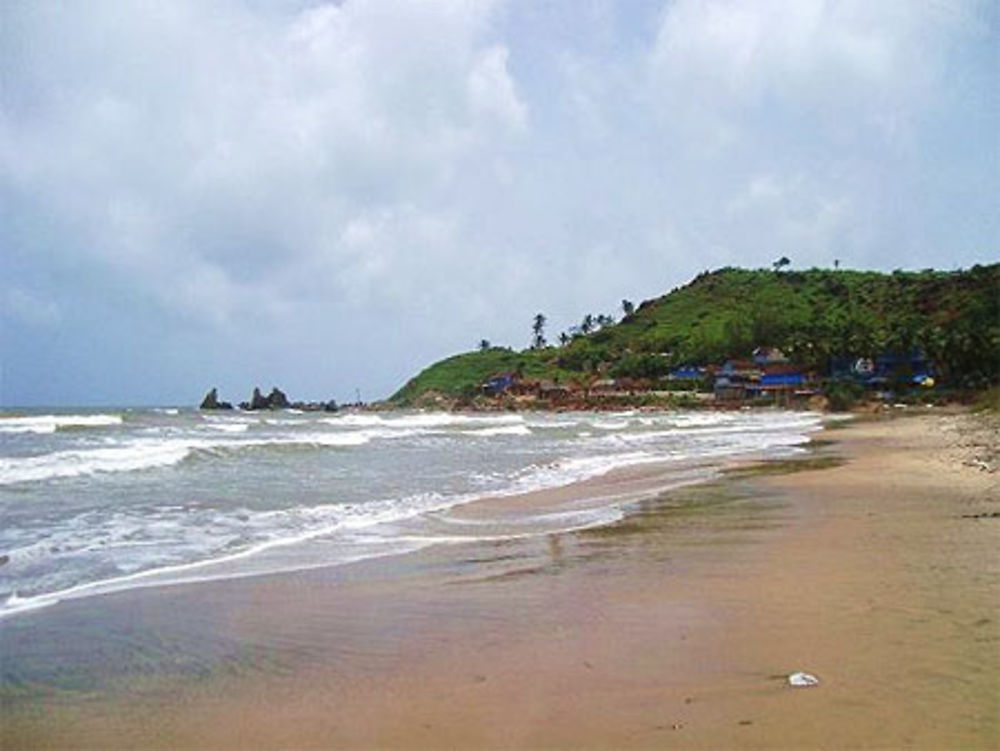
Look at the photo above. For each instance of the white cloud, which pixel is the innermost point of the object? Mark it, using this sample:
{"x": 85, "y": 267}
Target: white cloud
{"x": 795, "y": 215}
{"x": 398, "y": 180}
{"x": 492, "y": 92}
{"x": 849, "y": 59}
{"x": 219, "y": 147}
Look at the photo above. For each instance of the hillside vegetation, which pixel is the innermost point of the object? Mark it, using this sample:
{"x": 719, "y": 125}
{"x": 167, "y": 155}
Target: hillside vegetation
{"x": 813, "y": 316}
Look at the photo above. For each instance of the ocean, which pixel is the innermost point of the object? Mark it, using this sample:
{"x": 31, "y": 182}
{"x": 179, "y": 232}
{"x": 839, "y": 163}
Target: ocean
{"x": 97, "y": 501}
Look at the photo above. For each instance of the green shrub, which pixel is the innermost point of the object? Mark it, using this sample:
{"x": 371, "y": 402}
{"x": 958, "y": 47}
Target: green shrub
{"x": 988, "y": 400}
{"x": 842, "y": 395}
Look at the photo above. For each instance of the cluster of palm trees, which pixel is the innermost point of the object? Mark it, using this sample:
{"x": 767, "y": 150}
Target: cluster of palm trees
{"x": 590, "y": 324}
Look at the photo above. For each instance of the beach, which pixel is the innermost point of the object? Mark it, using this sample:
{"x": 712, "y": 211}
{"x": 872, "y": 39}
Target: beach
{"x": 871, "y": 561}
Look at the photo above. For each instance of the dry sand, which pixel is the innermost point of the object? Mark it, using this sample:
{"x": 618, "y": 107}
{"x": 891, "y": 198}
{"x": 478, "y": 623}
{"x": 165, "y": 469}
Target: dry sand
{"x": 874, "y": 563}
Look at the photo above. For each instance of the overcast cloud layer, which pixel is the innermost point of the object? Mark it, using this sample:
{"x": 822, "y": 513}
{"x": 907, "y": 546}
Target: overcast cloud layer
{"x": 330, "y": 196}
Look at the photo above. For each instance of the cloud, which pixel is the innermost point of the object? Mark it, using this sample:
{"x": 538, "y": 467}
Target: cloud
{"x": 805, "y": 117}
{"x": 808, "y": 53}
{"x": 492, "y": 92}
{"x": 227, "y": 147}
{"x": 197, "y": 191}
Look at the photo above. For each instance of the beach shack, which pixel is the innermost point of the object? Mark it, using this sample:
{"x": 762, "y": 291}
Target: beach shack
{"x": 737, "y": 380}
{"x": 886, "y": 371}
{"x": 764, "y": 356}
{"x": 784, "y": 384}
{"x": 499, "y": 383}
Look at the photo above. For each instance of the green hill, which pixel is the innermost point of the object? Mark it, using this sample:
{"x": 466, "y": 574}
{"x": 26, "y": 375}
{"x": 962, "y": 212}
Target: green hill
{"x": 813, "y": 316}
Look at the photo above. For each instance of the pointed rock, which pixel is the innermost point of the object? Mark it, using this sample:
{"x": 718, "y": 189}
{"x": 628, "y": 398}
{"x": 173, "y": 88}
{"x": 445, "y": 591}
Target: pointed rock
{"x": 211, "y": 401}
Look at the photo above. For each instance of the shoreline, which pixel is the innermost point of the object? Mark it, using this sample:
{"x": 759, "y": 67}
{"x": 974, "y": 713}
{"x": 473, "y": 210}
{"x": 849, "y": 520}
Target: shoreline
{"x": 674, "y": 625}
{"x": 596, "y": 486}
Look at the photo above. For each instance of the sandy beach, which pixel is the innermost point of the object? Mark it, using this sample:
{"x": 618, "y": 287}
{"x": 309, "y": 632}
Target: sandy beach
{"x": 872, "y": 562}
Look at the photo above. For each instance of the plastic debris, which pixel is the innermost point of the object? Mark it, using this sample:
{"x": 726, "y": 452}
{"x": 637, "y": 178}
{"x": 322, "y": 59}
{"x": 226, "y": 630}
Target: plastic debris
{"x": 802, "y": 680}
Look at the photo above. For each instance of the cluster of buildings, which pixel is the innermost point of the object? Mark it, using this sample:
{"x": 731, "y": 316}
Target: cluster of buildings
{"x": 767, "y": 377}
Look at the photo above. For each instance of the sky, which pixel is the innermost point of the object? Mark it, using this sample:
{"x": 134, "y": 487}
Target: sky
{"x": 327, "y": 197}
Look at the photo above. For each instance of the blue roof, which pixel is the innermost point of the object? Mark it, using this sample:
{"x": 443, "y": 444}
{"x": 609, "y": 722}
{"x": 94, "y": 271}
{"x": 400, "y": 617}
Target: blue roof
{"x": 782, "y": 379}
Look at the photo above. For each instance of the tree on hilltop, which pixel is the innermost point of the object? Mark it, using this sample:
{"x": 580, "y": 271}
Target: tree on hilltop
{"x": 538, "y": 332}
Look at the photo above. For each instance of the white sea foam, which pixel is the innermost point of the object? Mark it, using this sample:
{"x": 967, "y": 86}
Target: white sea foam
{"x": 424, "y": 420}
{"x": 554, "y": 424}
{"x": 51, "y": 423}
{"x": 167, "y": 542}
{"x": 353, "y": 419}
{"x": 501, "y": 430}
{"x": 234, "y": 427}
{"x": 248, "y": 418}
{"x": 611, "y": 424}
{"x": 284, "y": 528}
{"x": 473, "y": 530}
{"x": 280, "y": 530}
{"x": 577, "y": 469}
{"x": 142, "y": 454}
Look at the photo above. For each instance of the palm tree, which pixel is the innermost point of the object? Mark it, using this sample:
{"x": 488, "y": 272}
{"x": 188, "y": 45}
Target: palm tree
{"x": 484, "y": 344}
{"x": 781, "y": 263}
{"x": 587, "y": 325}
{"x": 564, "y": 339}
{"x": 538, "y": 332}
{"x": 627, "y": 308}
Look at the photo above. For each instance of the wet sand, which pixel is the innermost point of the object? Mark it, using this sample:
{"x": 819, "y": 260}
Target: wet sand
{"x": 873, "y": 563}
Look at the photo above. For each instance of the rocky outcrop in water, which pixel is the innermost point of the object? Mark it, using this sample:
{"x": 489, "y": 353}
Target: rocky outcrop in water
{"x": 257, "y": 401}
{"x": 211, "y": 401}
{"x": 277, "y": 399}
{"x": 330, "y": 406}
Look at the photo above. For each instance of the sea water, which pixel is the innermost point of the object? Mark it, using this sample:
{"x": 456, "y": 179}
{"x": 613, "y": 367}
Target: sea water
{"x": 99, "y": 501}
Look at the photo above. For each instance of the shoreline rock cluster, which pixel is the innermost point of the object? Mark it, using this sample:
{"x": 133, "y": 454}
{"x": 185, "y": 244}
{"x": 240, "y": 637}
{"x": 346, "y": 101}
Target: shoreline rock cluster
{"x": 277, "y": 399}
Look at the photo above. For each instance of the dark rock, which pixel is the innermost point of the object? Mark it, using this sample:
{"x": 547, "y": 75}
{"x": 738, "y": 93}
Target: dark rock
{"x": 211, "y": 401}
{"x": 277, "y": 399}
{"x": 4, "y": 560}
{"x": 257, "y": 401}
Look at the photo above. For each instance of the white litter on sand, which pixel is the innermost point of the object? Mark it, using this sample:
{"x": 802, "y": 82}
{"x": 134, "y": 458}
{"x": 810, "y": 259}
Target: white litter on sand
{"x": 802, "y": 680}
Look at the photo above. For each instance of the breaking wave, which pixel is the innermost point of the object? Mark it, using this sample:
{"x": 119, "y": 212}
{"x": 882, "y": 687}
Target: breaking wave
{"x": 234, "y": 494}
{"x": 51, "y": 423}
